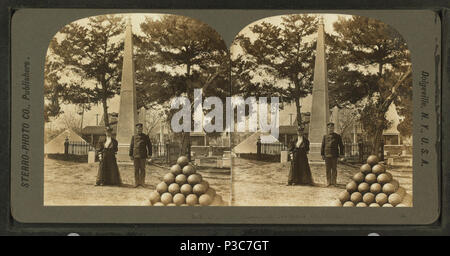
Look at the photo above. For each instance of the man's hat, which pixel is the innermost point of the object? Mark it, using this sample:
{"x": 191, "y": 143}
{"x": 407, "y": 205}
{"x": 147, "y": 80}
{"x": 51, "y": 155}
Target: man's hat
{"x": 139, "y": 125}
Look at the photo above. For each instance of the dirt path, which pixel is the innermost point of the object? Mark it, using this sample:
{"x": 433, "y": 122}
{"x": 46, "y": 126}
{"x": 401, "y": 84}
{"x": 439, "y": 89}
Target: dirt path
{"x": 263, "y": 184}
{"x": 254, "y": 184}
{"x": 67, "y": 183}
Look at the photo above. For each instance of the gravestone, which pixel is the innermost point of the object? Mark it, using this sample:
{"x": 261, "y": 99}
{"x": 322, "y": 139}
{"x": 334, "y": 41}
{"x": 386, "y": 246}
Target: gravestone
{"x": 284, "y": 156}
{"x": 91, "y": 157}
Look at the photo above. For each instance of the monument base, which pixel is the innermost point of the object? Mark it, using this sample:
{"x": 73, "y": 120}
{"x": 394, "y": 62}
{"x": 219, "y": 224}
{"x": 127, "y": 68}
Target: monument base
{"x": 123, "y": 154}
{"x": 314, "y": 153}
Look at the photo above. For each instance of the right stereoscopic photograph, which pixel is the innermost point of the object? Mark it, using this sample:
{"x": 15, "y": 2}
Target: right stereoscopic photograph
{"x": 334, "y": 97}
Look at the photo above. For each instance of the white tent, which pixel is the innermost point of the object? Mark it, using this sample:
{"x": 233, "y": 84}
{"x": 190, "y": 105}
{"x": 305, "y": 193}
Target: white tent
{"x": 56, "y": 145}
{"x": 249, "y": 145}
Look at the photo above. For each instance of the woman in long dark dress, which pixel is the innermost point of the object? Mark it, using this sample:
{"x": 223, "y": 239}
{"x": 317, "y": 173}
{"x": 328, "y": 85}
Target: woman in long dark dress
{"x": 300, "y": 172}
{"x": 108, "y": 171}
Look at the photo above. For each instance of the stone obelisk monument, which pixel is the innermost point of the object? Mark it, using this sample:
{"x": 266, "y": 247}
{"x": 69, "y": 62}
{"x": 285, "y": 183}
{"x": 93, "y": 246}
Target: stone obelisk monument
{"x": 320, "y": 113}
{"x": 128, "y": 107}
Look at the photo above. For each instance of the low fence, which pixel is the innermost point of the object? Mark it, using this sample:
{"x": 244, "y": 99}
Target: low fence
{"x": 206, "y": 150}
{"x": 168, "y": 152}
{"x": 79, "y": 148}
{"x": 271, "y": 148}
{"x": 261, "y": 157}
{"x": 357, "y": 151}
{"x": 68, "y": 157}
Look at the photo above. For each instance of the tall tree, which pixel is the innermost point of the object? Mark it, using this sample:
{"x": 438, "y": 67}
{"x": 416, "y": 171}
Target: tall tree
{"x": 92, "y": 51}
{"x": 175, "y": 55}
{"x": 52, "y": 90}
{"x": 370, "y": 68}
{"x": 276, "y": 53}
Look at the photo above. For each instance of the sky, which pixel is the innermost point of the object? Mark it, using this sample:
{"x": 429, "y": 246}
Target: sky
{"x": 91, "y": 116}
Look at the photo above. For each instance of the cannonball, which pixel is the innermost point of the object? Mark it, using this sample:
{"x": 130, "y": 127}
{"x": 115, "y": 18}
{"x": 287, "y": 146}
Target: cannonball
{"x": 394, "y": 199}
{"x": 184, "y": 205}
{"x": 351, "y": 187}
{"x": 158, "y": 204}
{"x": 370, "y": 178}
{"x": 374, "y": 205}
{"x": 188, "y": 170}
{"x": 381, "y": 198}
{"x": 205, "y": 183}
{"x": 204, "y": 200}
{"x": 171, "y": 204}
{"x": 383, "y": 178}
{"x": 179, "y": 199}
{"x": 365, "y": 168}
{"x": 182, "y": 161}
{"x": 389, "y": 174}
{"x": 361, "y": 204}
{"x": 368, "y": 198}
{"x": 363, "y": 187}
{"x": 166, "y": 198}
{"x": 199, "y": 189}
{"x": 395, "y": 183}
{"x": 169, "y": 178}
{"x": 175, "y": 169}
{"x": 180, "y": 179}
{"x": 162, "y": 188}
{"x": 387, "y": 205}
{"x": 401, "y": 191}
{"x": 174, "y": 188}
{"x": 154, "y": 197}
{"x": 186, "y": 189}
{"x": 192, "y": 199}
{"x": 358, "y": 178}
{"x": 348, "y": 204}
{"x": 372, "y": 160}
{"x": 211, "y": 192}
{"x": 356, "y": 197}
{"x": 388, "y": 188}
{"x": 375, "y": 188}
{"x": 194, "y": 179}
{"x": 401, "y": 205}
{"x": 344, "y": 196}
{"x": 378, "y": 169}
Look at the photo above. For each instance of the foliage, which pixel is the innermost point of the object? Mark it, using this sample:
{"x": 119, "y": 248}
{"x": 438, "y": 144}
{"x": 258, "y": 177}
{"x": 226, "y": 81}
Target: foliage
{"x": 276, "y": 53}
{"x": 175, "y": 55}
{"x": 370, "y": 69}
{"x": 93, "y": 53}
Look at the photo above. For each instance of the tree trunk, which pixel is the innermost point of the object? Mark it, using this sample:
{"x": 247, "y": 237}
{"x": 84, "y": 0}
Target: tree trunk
{"x": 299, "y": 114}
{"x": 377, "y": 137}
{"x": 297, "y": 100}
{"x": 186, "y": 136}
{"x": 105, "y": 112}
{"x": 82, "y": 117}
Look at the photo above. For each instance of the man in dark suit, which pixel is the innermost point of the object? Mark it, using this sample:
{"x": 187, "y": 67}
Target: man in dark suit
{"x": 332, "y": 148}
{"x": 140, "y": 150}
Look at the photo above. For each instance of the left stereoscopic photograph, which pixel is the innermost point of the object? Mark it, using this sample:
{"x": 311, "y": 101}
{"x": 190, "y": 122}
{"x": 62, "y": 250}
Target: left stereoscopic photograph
{"x": 110, "y": 82}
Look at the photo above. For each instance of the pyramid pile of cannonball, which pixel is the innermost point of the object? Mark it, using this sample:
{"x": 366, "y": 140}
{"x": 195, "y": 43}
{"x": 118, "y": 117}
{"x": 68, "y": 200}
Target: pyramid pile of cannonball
{"x": 182, "y": 186}
{"x": 373, "y": 186}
